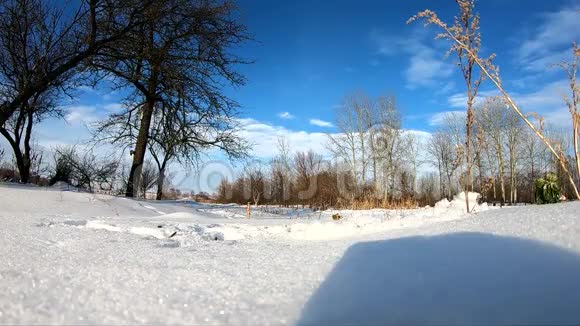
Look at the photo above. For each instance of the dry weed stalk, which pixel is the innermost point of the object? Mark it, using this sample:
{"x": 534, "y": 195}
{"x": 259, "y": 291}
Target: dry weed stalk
{"x": 465, "y": 30}
{"x": 463, "y": 43}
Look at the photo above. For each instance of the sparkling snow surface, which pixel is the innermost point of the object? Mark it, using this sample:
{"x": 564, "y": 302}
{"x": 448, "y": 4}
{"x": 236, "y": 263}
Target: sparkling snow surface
{"x": 78, "y": 258}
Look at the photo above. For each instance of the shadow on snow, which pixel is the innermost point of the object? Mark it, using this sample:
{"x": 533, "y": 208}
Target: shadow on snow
{"x": 464, "y": 278}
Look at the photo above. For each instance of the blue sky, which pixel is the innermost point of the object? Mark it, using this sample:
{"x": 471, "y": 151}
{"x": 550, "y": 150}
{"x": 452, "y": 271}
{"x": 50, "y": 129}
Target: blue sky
{"x": 310, "y": 54}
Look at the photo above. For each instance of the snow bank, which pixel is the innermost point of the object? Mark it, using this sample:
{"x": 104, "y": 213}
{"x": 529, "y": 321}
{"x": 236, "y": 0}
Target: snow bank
{"x": 319, "y": 226}
{"x": 216, "y": 222}
{"x": 181, "y": 234}
{"x": 457, "y": 205}
{"x": 61, "y": 185}
{"x": 178, "y": 216}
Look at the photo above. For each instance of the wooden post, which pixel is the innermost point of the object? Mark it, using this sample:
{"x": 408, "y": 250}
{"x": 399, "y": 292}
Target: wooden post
{"x": 248, "y": 210}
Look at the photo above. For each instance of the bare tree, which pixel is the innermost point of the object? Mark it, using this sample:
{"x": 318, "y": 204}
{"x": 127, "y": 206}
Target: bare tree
{"x": 492, "y": 120}
{"x": 178, "y": 132}
{"x": 281, "y": 173}
{"x": 42, "y": 49}
{"x": 18, "y": 131}
{"x": 362, "y": 107}
{"x": 570, "y": 68}
{"x": 344, "y": 145}
{"x": 412, "y": 157}
{"x": 255, "y": 181}
{"x": 181, "y": 54}
{"x": 514, "y": 133}
{"x": 387, "y": 140}
{"x": 224, "y": 191}
{"x": 428, "y": 188}
{"x": 307, "y": 165}
{"x": 442, "y": 151}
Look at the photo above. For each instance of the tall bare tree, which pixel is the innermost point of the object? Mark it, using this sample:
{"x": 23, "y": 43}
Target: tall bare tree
{"x": 514, "y": 133}
{"x": 443, "y": 152}
{"x": 492, "y": 120}
{"x": 345, "y": 144}
{"x": 571, "y": 68}
{"x": 181, "y": 54}
{"x": 43, "y": 46}
{"x": 178, "y": 132}
{"x": 307, "y": 165}
{"x": 281, "y": 173}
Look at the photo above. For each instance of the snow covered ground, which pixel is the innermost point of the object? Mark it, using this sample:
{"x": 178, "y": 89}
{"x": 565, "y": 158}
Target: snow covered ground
{"x": 78, "y": 258}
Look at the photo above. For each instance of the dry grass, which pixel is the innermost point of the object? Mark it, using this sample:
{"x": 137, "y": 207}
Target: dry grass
{"x": 362, "y": 204}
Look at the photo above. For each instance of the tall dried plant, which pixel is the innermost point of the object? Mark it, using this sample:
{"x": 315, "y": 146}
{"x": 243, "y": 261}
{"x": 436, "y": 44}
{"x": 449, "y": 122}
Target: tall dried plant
{"x": 466, "y": 42}
{"x": 465, "y": 30}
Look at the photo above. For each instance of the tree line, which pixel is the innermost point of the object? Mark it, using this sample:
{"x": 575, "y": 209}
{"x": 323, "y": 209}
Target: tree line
{"x": 374, "y": 162}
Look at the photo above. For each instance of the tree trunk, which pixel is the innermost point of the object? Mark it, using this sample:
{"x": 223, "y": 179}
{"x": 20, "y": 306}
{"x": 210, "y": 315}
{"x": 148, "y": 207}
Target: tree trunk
{"x": 22, "y": 160}
{"x": 441, "y": 189}
{"x": 143, "y": 135}
{"x": 480, "y": 168}
{"x": 140, "y": 148}
{"x": 449, "y": 186}
{"x": 467, "y": 143}
{"x": 502, "y": 184}
{"x": 512, "y": 179}
{"x": 25, "y": 168}
{"x": 501, "y": 169}
{"x": 375, "y": 181}
{"x": 160, "y": 181}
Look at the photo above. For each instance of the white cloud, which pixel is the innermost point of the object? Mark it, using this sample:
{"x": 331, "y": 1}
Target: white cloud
{"x": 80, "y": 114}
{"x": 264, "y": 138}
{"x": 286, "y": 115}
{"x": 547, "y": 61}
{"x": 85, "y": 114}
{"x": 459, "y": 100}
{"x": 546, "y": 101}
{"x": 88, "y": 89}
{"x": 549, "y": 96}
{"x": 439, "y": 118}
{"x": 114, "y": 107}
{"x": 321, "y": 123}
{"x": 551, "y": 41}
{"x": 559, "y": 118}
{"x": 427, "y": 67}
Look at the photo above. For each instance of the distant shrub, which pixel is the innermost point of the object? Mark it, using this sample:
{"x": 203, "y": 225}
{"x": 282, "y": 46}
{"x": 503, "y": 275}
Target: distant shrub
{"x": 83, "y": 170}
{"x": 547, "y": 189}
{"x": 7, "y": 174}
